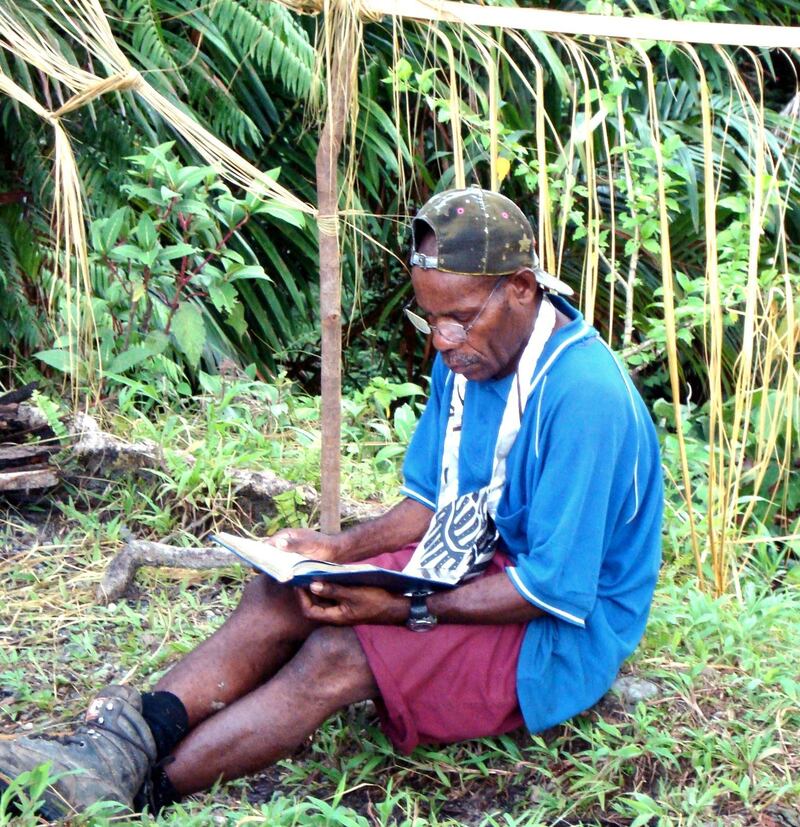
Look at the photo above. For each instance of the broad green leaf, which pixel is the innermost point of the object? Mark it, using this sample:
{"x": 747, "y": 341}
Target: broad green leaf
{"x": 250, "y": 271}
{"x": 149, "y": 194}
{"x": 735, "y": 203}
{"x": 196, "y": 210}
{"x": 189, "y": 331}
{"x": 178, "y": 251}
{"x": 209, "y": 383}
{"x": 157, "y": 341}
{"x": 59, "y": 359}
{"x": 148, "y": 257}
{"x": 146, "y": 232}
{"x": 223, "y": 296}
{"x": 94, "y": 234}
{"x": 287, "y": 214}
{"x": 112, "y": 228}
{"x": 405, "y": 421}
{"x": 232, "y": 260}
{"x": 126, "y": 251}
{"x": 232, "y": 210}
{"x": 189, "y": 177}
{"x": 153, "y": 155}
{"x": 236, "y": 319}
{"x": 129, "y": 358}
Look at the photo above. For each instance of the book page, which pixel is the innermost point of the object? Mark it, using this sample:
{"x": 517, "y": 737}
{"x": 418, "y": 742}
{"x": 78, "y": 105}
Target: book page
{"x": 274, "y": 561}
{"x": 290, "y": 567}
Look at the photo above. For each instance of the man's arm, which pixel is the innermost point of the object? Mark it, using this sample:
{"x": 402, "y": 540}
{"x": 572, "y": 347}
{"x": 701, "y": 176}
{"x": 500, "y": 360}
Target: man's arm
{"x": 405, "y": 523}
{"x": 489, "y": 600}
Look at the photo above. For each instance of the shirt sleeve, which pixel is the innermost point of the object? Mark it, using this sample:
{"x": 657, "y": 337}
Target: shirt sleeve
{"x": 585, "y": 470}
{"x": 422, "y": 466}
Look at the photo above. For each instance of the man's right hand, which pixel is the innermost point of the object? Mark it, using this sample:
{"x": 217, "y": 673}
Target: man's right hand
{"x": 310, "y": 543}
{"x": 405, "y": 523}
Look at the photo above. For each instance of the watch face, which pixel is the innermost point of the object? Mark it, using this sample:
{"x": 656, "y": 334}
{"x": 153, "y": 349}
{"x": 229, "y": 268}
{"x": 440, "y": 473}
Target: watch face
{"x": 421, "y": 624}
{"x": 420, "y": 618}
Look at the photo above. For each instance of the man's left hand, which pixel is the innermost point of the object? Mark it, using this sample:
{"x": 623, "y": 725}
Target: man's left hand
{"x": 337, "y": 605}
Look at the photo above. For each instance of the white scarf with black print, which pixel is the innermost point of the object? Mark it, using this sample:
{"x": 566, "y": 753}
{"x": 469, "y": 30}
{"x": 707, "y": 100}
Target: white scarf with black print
{"x": 462, "y": 536}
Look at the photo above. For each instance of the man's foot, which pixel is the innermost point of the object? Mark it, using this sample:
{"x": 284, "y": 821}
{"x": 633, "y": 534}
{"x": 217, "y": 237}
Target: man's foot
{"x": 107, "y": 756}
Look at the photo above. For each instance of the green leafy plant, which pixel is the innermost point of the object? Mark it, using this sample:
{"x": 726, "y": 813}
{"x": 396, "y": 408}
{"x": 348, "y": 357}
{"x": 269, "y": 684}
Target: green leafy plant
{"x": 165, "y": 270}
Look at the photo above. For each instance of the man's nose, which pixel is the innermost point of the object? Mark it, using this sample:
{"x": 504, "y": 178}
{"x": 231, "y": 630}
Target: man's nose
{"x": 441, "y": 344}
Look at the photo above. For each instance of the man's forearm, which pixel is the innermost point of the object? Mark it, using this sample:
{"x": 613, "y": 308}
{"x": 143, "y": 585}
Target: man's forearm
{"x": 404, "y": 523}
{"x": 484, "y": 600}
{"x": 490, "y": 600}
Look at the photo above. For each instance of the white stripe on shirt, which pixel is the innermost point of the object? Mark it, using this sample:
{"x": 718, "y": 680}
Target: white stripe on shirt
{"x": 511, "y": 571}
{"x": 415, "y": 495}
{"x": 626, "y": 380}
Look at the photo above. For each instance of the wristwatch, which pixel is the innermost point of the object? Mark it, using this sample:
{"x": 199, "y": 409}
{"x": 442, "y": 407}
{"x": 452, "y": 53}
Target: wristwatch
{"x": 420, "y": 618}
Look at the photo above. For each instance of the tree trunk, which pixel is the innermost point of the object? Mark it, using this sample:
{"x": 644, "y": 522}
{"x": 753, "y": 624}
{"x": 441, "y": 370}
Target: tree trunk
{"x": 340, "y": 66}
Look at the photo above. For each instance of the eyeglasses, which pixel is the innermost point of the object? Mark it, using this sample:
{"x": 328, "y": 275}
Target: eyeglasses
{"x": 453, "y": 332}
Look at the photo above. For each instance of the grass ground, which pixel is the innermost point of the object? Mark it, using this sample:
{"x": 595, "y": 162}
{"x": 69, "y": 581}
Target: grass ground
{"x": 719, "y": 744}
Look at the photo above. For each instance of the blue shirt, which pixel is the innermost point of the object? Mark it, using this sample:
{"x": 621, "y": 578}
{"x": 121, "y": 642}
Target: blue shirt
{"x": 579, "y": 516}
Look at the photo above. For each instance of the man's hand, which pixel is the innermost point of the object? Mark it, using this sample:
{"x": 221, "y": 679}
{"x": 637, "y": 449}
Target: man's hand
{"x": 405, "y": 523}
{"x": 337, "y": 605}
{"x": 309, "y": 543}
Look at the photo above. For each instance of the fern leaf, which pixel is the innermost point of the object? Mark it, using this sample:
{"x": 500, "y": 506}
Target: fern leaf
{"x": 269, "y": 35}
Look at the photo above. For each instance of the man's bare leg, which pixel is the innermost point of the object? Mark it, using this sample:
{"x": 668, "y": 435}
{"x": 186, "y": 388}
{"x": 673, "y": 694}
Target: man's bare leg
{"x": 263, "y": 632}
{"x": 329, "y": 671}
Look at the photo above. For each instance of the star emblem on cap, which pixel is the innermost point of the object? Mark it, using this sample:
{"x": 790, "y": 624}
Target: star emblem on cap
{"x": 524, "y": 245}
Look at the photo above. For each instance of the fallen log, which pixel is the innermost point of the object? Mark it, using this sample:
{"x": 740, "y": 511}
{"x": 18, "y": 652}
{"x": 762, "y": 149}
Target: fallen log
{"x": 16, "y": 396}
{"x": 135, "y": 554}
{"x": 27, "y": 446}
{"x": 14, "y": 457}
{"x": 102, "y": 454}
{"x": 27, "y": 481}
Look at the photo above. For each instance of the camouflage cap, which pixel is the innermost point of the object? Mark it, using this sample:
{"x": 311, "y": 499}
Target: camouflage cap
{"x": 479, "y": 233}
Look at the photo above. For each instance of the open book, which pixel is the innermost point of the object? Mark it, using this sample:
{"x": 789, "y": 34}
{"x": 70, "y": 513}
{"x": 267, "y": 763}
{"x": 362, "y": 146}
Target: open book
{"x": 290, "y": 567}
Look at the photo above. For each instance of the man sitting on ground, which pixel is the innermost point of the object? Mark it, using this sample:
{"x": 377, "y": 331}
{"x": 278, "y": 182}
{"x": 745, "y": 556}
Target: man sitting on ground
{"x": 534, "y": 478}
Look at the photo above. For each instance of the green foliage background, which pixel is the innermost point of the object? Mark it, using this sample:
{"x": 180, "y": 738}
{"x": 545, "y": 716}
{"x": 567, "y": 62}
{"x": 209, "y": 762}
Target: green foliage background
{"x": 246, "y": 69}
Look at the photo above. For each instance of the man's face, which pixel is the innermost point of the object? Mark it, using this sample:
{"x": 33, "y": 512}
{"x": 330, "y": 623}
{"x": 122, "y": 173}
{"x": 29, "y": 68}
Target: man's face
{"x": 498, "y": 336}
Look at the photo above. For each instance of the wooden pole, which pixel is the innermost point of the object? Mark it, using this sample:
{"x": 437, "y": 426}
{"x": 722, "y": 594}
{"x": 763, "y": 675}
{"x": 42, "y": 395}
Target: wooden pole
{"x": 340, "y": 67}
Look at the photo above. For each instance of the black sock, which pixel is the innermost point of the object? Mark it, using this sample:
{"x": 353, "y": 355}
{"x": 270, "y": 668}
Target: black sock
{"x": 162, "y": 793}
{"x": 166, "y": 716}
{"x": 157, "y": 791}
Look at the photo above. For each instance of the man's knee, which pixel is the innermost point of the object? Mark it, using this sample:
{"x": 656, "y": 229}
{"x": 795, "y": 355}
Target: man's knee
{"x": 262, "y": 593}
{"x": 334, "y": 666}
{"x": 268, "y": 611}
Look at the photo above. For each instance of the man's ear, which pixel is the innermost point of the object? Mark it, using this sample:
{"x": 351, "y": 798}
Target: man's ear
{"x": 523, "y": 285}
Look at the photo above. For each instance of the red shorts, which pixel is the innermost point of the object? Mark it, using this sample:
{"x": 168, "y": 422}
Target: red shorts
{"x": 451, "y": 683}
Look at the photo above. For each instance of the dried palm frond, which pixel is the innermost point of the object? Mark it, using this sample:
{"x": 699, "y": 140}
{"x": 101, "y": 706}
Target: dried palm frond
{"x": 87, "y": 23}
{"x": 70, "y": 262}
